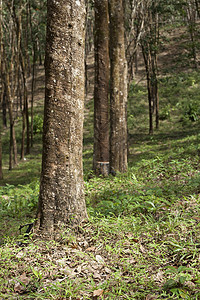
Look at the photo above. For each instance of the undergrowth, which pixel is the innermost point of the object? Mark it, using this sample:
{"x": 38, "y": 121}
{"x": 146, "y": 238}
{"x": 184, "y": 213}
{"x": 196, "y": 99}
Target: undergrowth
{"x": 142, "y": 240}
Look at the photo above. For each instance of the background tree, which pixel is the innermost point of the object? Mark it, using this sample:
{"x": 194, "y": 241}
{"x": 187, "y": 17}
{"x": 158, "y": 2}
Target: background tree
{"x": 149, "y": 44}
{"x": 101, "y": 89}
{"x": 1, "y": 93}
{"x": 61, "y": 199}
{"x": 118, "y": 89}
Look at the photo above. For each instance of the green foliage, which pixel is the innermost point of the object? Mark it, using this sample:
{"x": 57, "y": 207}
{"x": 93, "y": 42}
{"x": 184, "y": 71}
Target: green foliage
{"x": 165, "y": 113}
{"x": 19, "y": 200}
{"x": 191, "y": 112}
{"x": 144, "y": 224}
{"x": 37, "y": 124}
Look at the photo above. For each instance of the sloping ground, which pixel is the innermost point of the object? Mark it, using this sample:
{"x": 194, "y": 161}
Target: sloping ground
{"x": 142, "y": 239}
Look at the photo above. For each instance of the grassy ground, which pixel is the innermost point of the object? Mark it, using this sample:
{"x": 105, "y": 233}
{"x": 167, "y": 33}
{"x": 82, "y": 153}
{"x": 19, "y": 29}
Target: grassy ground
{"x": 142, "y": 240}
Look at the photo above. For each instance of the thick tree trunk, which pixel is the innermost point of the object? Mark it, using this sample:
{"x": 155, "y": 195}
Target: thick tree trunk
{"x": 61, "y": 200}
{"x": 101, "y": 89}
{"x": 118, "y": 89}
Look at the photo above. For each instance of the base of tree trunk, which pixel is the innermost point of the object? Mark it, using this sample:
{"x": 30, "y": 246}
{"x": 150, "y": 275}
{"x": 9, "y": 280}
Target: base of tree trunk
{"x": 103, "y": 168}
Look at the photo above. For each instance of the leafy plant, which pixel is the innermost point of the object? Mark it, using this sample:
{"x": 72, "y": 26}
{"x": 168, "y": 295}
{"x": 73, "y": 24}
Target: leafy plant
{"x": 37, "y": 124}
{"x": 177, "y": 285}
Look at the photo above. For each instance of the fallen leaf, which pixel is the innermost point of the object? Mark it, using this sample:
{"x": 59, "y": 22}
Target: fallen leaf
{"x": 74, "y": 245}
{"x": 97, "y": 293}
{"x": 142, "y": 249}
{"x": 18, "y": 288}
{"x": 127, "y": 251}
{"x": 131, "y": 261}
{"x": 96, "y": 275}
{"x": 20, "y": 254}
{"x": 99, "y": 259}
{"x": 159, "y": 276}
{"x": 190, "y": 284}
{"x": 90, "y": 249}
{"x": 83, "y": 244}
{"x": 107, "y": 270}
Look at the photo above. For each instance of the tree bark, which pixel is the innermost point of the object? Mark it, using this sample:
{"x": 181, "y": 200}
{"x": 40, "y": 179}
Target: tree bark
{"x": 2, "y": 90}
{"x": 148, "y": 67}
{"x": 101, "y": 88}
{"x": 61, "y": 200}
{"x": 118, "y": 89}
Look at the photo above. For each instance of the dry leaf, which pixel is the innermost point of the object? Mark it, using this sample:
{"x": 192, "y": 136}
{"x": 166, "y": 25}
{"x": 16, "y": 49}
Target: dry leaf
{"x": 97, "y": 293}
{"x": 24, "y": 279}
{"x": 190, "y": 284}
{"x": 18, "y": 288}
{"x": 142, "y": 249}
{"x": 99, "y": 259}
{"x": 131, "y": 261}
{"x": 91, "y": 249}
{"x": 127, "y": 251}
{"x": 96, "y": 275}
{"x": 69, "y": 272}
{"x": 74, "y": 245}
{"x": 107, "y": 270}
{"x": 159, "y": 276}
{"x": 20, "y": 254}
{"x": 83, "y": 244}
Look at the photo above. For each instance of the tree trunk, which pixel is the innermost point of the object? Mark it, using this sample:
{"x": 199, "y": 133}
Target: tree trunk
{"x": 2, "y": 90}
{"x": 146, "y": 56}
{"x": 1, "y": 169}
{"x": 61, "y": 200}
{"x": 13, "y": 144}
{"x": 4, "y": 107}
{"x": 101, "y": 88}
{"x": 23, "y": 133}
{"x": 118, "y": 89}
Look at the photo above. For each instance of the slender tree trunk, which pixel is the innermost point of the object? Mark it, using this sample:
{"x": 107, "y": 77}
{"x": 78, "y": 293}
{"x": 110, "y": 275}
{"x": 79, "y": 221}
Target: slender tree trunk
{"x": 4, "y": 108}
{"x": 192, "y": 24}
{"x": 101, "y": 89}
{"x": 2, "y": 90}
{"x": 1, "y": 169}
{"x": 118, "y": 89}
{"x": 23, "y": 134}
{"x": 13, "y": 144}
{"x": 27, "y": 123}
{"x": 145, "y": 52}
{"x": 34, "y": 46}
{"x": 61, "y": 200}
{"x": 25, "y": 97}
{"x": 32, "y": 92}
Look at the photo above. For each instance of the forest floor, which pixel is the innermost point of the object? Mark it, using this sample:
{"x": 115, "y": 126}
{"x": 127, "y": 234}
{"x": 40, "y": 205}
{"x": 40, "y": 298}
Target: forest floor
{"x": 142, "y": 240}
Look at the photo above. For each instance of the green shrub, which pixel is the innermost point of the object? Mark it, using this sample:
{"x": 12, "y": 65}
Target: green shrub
{"x": 37, "y": 124}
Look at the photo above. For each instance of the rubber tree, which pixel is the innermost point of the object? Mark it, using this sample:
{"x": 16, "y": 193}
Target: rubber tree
{"x": 101, "y": 89}
{"x": 61, "y": 199}
{"x": 118, "y": 89}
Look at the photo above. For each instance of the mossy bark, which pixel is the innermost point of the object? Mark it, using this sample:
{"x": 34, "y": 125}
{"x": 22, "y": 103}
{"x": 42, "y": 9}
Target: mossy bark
{"x": 61, "y": 200}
